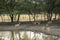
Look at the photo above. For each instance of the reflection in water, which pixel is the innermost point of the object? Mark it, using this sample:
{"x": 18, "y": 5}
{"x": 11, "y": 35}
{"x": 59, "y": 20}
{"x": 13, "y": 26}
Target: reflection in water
{"x": 24, "y": 35}
{"x": 5, "y": 35}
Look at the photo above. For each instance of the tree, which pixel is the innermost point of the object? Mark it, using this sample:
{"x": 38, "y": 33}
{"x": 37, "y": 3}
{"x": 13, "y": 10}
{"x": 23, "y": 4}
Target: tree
{"x": 50, "y": 4}
{"x": 7, "y": 7}
{"x": 13, "y": 7}
{"x": 57, "y": 7}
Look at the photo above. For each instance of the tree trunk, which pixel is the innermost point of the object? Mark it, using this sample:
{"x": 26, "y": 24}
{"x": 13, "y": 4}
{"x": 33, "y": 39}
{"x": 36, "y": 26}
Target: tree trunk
{"x": 55, "y": 16}
{"x": 34, "y": 17}
{"x": 1, "y": 18}
{"x": 41, "y": 17}
{"x": 44, "y": 16}
{"x": 11, "y": 16}
{"x": 29, "y": 17}
{"x": 18, "y": 17}
{"x": 49, "y": 16}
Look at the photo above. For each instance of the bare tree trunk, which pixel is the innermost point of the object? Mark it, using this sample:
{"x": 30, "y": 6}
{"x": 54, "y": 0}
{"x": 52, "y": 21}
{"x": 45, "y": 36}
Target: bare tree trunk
{"x": 14, "y": 18}
{"x": 41, "y": 17}
{"x": 34, "y": 17}
{"x": 49, "y": 16}
{"x": 2, "y": 18}
{"x": 29, "y": 17}
{"x": 18, "y": 17}
{"x": 55, "y": 16}
{"x": 11, "y": 16}
{"x": 44, "y": 17}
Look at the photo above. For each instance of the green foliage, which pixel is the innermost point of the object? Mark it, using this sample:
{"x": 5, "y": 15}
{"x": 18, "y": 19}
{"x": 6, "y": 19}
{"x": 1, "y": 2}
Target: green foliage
{"x": 25, "y": 6}
{"x": 2, "y": 6}
{"x": 57, "y": 7}
{"x": 21, "y": 6}
{"x": 52, "y": 6}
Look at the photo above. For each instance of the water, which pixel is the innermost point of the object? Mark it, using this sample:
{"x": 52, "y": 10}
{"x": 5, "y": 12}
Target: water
{"x": 20, "y": 35}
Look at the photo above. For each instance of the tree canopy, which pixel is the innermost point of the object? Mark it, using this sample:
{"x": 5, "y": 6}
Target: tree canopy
{"x": 29, "y": 6}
